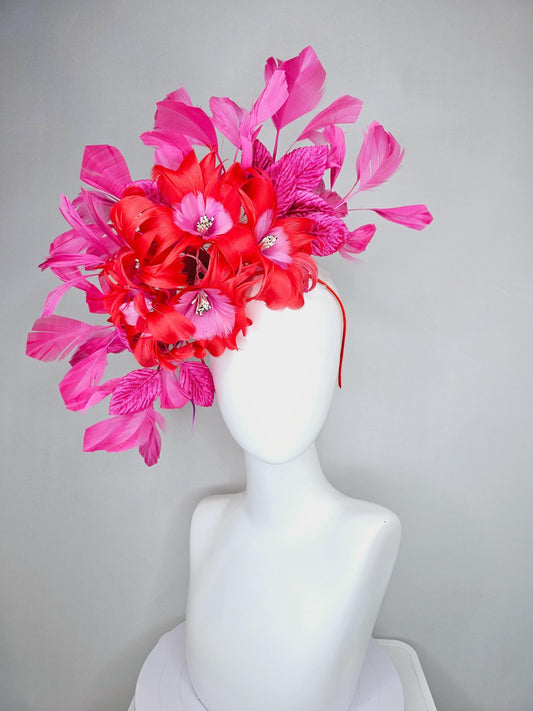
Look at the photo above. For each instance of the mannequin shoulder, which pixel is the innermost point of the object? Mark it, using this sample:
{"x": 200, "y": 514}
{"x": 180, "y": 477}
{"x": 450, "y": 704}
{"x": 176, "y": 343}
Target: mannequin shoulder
{"x": 376, "y": 520}
{"x": 211, "y": 516}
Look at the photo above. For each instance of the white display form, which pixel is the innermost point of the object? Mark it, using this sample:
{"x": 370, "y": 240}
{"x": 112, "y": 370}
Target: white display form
{"x": 391, "y": 679}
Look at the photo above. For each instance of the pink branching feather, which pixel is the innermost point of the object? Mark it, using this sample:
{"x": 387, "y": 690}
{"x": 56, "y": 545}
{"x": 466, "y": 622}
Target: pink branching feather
{"x": 92, "y": 396}
{"x": 414, "y": 216}
{"x": 379, "y": 157}
{"x": 305, "y": 82}
{"x": 123, "y": 432}
{"x": 172, "y": 396}
{"x": 190, "y": 121}
{"x": 54, "y": 337}
{"x": 228, "y": 118}
{"x": 345, "y": 109}
{"x": 357, "y": 241}
{"x": 104, "y": 168}
{"x": 135, "y": 391}
{"x": 82, "y": 377}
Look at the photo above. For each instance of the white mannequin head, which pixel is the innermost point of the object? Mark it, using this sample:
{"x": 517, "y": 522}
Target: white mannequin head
{"x": 274, "y": 392}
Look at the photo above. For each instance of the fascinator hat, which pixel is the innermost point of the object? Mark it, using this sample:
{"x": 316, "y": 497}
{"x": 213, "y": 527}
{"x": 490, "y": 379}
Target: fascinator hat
{"x": 170, "y": 262}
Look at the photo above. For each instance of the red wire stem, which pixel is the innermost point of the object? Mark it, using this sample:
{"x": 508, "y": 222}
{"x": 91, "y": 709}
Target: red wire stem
{"x": 337, "y": 297}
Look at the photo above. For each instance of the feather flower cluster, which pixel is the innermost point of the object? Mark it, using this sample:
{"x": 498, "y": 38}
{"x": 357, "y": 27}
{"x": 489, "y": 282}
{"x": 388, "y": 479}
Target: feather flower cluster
{"x": 172, "y": 261}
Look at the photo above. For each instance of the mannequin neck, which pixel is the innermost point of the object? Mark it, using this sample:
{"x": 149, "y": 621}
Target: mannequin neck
{"x": 294, "y": 493}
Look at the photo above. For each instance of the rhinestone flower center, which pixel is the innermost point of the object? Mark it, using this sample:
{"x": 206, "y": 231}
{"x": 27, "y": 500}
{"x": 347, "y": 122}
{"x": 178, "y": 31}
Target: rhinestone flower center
{"x": 203, "y": 224}
{"x": 268, "y": 241}
{"x": 202, "y": 304}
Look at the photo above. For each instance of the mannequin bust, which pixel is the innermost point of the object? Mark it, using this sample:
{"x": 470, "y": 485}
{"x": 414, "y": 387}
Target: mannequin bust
{"x": 286, "y": 577}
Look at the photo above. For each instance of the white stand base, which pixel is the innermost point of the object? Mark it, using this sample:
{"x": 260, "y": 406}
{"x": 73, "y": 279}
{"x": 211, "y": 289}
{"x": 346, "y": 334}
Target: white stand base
{"x": 391, "y": 671}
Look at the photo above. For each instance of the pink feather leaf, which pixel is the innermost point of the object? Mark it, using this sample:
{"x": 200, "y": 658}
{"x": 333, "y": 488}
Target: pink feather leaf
{"x": 305, "y": 83}
{"x": 54, "y": 337}
{"x": 345, "y": 109}
{"x": 414, "y": 216}
{"x": 196, "y": 381}
{"x": 135, "y": 391}
{"x": 104, "y": 168}
{"x": 301, "y": 169}
{"x": 329, "y": 233}
{"x": 262, "y": 158}
{"x": 379, "y": 157}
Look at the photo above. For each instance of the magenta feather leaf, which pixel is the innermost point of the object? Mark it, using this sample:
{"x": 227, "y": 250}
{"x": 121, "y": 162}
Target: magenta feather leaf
{"x": 54, "y": 337}
{"x": 414, "y": 216}
{"x": 345, "y": 109}
{"x": 135, "y": 391}
{"x": 104, "y": 168}
{"x": 301, "y": 169}
{"x": 262, "y": 157}
{"x": 305, "y": 83}
{"x": 379, "y": 157}
{"x": 357, "y": 241}
{"x": 171, "y": 394}
{"x": 196, "y": 381}
{"x": 123, "y": 432}
{"x": 329, "y": 233}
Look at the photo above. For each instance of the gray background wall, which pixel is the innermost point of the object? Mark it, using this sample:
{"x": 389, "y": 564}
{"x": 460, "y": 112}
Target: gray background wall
{"x": 434, "y": 419}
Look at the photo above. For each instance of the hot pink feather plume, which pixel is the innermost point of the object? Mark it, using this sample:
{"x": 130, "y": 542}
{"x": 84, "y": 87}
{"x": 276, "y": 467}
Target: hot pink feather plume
{"x": 104, "y": 168}
{"x": 123, "y": 432}
{"x": 379, "y": 157}
{"x": 305, "y": 82}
